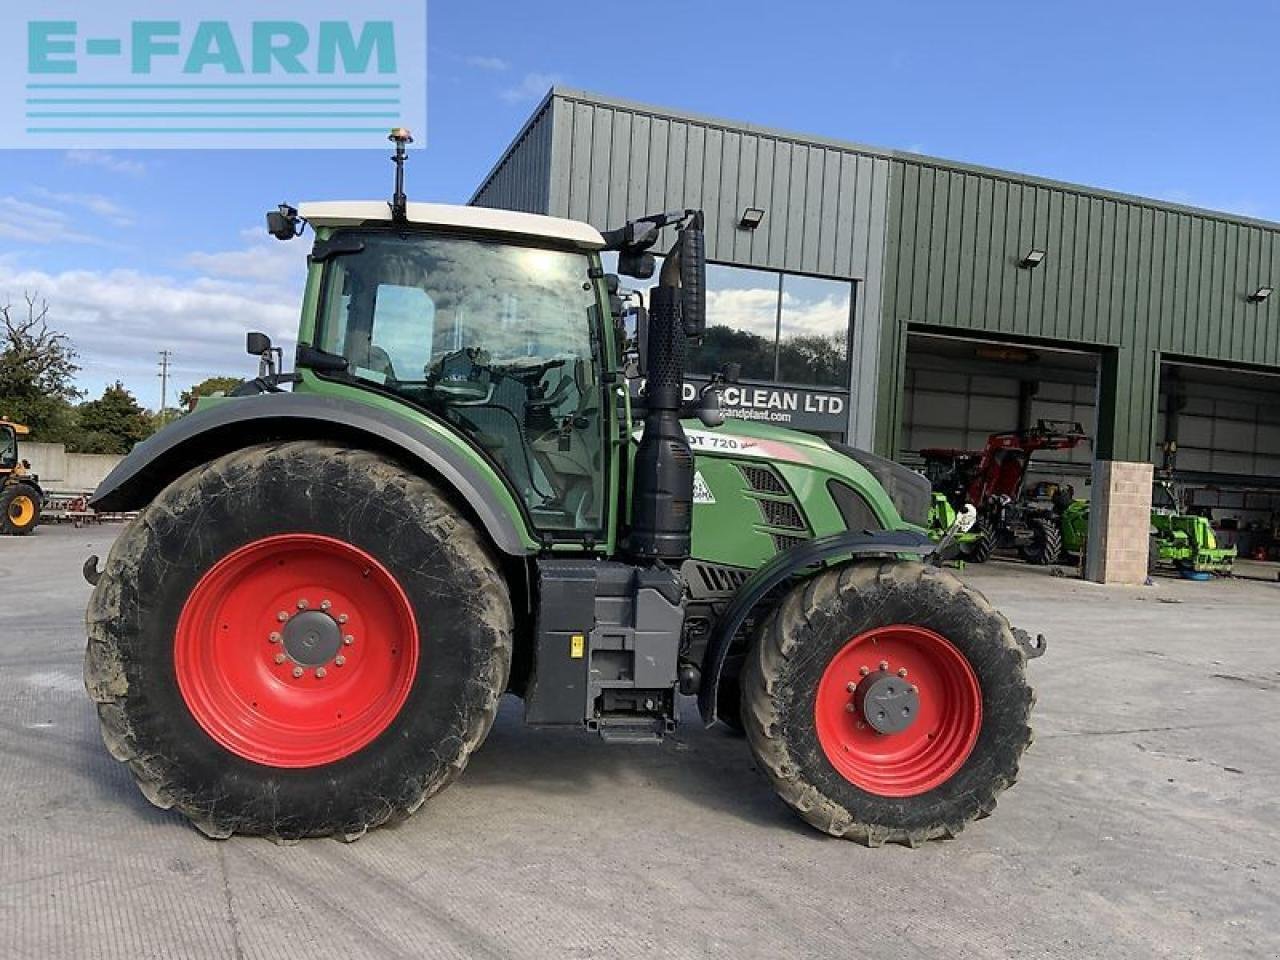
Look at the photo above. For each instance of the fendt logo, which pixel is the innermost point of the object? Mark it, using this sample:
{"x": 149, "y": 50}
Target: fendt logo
{"x": 278, "y": 75}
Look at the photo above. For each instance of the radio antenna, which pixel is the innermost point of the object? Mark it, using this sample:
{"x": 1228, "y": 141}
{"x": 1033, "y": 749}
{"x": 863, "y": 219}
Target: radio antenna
{"x": 399, "y": 202}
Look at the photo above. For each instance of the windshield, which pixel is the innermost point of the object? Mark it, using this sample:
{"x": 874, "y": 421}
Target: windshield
{"x": 494, "y": 337}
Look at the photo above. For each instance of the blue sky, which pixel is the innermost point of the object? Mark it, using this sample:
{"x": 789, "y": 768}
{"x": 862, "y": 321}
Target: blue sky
{"x": 143, "y": 250}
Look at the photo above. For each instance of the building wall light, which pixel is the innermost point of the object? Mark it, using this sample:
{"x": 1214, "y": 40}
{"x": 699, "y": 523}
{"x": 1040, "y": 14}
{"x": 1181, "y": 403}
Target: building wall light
{"x": 1260, "y": 294}
{"x": 1032, "y": 260}
{"x": 751, "y": 218}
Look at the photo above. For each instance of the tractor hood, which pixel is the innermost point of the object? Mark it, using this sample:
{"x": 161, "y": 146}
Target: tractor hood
{"x": 909, "y": 490}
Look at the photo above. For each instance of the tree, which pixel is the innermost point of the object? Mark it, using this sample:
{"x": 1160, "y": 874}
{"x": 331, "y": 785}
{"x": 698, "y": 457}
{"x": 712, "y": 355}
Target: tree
{"x": 814, "y": 359}
{"x": 112, "y": 423}
{"x": 37, "y": 371}
{"x": 207, "y": 388}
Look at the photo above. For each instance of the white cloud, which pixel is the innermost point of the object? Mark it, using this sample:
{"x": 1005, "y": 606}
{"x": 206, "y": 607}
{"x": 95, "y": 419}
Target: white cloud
{"x": 533, "y": 86}
{"x": 263, "y": 260}
{"x": 118, "y": 319}
{"x": 755, "y": 310}
{"x": 95, "y": 203}
{"x": 107, "y": 161}
{"x": 36, "y": 224}
{"x": 494, "y": 64}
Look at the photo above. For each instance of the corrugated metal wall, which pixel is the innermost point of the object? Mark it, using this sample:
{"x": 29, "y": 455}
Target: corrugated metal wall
{"x": 931, "y": 244}
{"x": 521, "y": 180}
{"x": 1139, "y": 279}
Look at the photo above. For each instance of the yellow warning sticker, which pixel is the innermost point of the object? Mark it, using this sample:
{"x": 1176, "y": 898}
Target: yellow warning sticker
{"x": 577, "y": 646}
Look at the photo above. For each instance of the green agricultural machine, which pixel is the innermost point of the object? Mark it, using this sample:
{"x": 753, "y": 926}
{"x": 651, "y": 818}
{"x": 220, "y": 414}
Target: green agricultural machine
{"x": 1180, "y": 540}
{"x": 307, "y": 629}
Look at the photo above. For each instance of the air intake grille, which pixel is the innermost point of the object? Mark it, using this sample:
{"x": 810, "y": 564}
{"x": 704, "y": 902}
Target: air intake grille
{"x": 781, "y": 513}
{"x": 782, "y": 542}
{"x": 722, "y": 579}
{"x": 761, "y": 479}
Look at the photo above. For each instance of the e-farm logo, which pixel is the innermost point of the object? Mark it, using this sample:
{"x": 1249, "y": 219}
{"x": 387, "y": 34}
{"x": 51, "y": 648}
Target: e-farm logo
{"x": 213, "y": 74}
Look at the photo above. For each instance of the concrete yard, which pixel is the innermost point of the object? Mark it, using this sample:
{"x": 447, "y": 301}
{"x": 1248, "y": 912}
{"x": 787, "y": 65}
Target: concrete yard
{"x": 1145, "y": 823}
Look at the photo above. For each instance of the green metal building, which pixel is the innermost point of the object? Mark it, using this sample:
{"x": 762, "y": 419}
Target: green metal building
{"x": 901, "y": 301}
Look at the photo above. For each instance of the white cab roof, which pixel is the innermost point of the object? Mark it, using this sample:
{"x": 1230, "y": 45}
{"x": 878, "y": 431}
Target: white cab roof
{"x": 351, "y": 213}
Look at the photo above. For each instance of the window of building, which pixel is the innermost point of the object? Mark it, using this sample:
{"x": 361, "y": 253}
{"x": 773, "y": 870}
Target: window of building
{"x": 813, "y": 341}
{"x": 742, "y": 323}
{"x": 778, "y": 327}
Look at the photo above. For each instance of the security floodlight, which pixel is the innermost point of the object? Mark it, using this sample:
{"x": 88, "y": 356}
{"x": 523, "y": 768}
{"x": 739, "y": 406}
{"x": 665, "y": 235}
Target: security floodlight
{"x": 751, "y": 218}
{"x": 1032, "y": 260}
{"x": 1260, "y": 294}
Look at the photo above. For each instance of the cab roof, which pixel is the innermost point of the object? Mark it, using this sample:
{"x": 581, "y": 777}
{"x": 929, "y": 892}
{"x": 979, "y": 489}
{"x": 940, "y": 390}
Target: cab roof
{"x": 348, "y": 213}
{"x": 18, "y": 428}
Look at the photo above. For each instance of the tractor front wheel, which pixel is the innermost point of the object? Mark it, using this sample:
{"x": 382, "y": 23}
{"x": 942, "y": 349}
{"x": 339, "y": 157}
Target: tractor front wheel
{"x": 1045, "y": 547}
{"x": 297, "y": 640}
{"x": 19, "y": 509}
{"x": 887, "y": 702}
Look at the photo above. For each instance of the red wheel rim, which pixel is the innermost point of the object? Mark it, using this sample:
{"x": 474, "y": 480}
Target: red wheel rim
{"x": 947, "y": 711}
{"x": 296, "y": 650}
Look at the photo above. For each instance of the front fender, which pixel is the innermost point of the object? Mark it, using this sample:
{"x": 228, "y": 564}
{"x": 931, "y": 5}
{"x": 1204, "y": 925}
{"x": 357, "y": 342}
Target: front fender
{"x": 887, "y": 543}
{"x": 234, "y": 424}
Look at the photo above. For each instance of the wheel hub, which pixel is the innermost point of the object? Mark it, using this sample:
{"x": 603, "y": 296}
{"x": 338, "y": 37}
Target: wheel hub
{"x": 312, "y": 638}
{"x": 886, "y": 702}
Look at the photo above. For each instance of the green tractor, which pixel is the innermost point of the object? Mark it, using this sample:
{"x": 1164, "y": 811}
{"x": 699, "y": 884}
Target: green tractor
{"x": 307, "y": 629}
{"x": 1180, "y": 540}
{"x": 21, "y": 498}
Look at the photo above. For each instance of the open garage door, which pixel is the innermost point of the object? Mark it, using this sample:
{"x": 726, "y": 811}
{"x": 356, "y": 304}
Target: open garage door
{"x": 1225, "y": 424}
{"x": 959, "y": 391}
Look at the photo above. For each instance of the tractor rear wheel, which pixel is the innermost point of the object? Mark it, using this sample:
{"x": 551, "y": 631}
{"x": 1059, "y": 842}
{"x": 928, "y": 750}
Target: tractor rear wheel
{"x": 19, "y": 509}
{"x": 1046, "y": 544}
{"x": 887, "y": 702}
{"x": 296, "y": 640}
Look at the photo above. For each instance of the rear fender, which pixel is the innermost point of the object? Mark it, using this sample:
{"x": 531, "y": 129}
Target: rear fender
{"x": 837, "y": 547}
{"x": 235, "y": 424}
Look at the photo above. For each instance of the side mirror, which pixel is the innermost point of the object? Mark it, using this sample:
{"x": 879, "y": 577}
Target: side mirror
{"x": 282, "y": 222}
{"x": 693, "y": 278}
{"x": 638, "y": 265}
{"x": 256, "y": 344}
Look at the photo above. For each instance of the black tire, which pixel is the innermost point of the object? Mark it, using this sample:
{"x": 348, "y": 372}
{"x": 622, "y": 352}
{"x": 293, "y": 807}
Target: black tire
{"x": 979, "y": 549}
{"x": 15, "y": 522}
{"x": 811, "y": 626}
{"x": 436, "y": 556}
{"x": 1045, "y": 547}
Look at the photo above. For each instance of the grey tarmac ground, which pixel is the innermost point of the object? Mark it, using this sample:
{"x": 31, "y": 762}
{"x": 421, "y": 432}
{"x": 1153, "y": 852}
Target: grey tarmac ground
{"x": 1146, "y": 822}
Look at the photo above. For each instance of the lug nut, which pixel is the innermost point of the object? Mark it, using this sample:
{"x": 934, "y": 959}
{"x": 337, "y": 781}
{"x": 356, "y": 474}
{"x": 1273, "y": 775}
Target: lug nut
{"x": 282, "y": 616}
{"x": 279, "y": 658}
{"x": 864, "y": 671}
{"x": 297, "y": 672}
{"x": 274, "y": 638}
{"x": 302, "y": 603}
{"x": 902, "y": 671}
{"x": 851, "y": 686}
{"x": 913, "y": 688}
{"x": 342, "y": 618}
{"x": 884, "y": 664}
{"x": 325, "y": 604}
{"x": 348, "y": 640}
{"x": 339, "y": 660}
{"x": 850, "y": 708}
{"x": 320, "y": 673}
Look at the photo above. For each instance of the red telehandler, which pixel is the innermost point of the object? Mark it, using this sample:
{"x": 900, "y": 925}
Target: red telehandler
{"x": 992, "y": 480}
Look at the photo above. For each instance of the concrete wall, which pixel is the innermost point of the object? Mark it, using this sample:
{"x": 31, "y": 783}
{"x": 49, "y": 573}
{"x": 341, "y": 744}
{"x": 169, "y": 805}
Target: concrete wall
{"x": 63, "y": 472}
